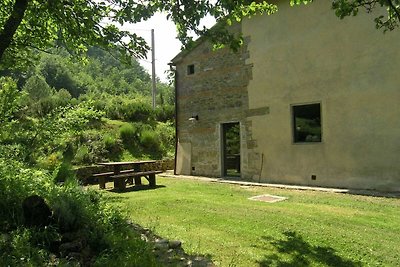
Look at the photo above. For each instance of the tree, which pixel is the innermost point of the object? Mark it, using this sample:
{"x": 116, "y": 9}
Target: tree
{"x": 29, "y": 25}
{"x": 37, "y": 88}
{"x": 344, "y": 8}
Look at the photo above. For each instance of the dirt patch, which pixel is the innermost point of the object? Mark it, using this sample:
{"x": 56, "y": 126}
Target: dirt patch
{"x": 268, "y": 198}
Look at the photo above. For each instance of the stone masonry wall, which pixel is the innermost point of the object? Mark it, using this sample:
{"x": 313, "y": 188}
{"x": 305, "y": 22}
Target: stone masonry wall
{"x": 217, "y": 93}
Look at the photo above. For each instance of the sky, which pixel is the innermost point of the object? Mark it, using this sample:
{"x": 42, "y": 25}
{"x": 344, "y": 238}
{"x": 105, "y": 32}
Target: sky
{"x": 166, "y": 44}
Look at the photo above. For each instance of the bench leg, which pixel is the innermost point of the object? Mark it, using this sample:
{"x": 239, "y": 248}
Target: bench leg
{"x": 138, "y": 180}
{"x": 129, "y": 180}
{"x": 119, "y": 184}
{"x": 152, "y": 180}
{"x": 102, "y": 182}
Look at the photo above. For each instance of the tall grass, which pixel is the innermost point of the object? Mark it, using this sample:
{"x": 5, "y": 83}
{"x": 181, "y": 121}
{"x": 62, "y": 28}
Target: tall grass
{"x": 110, "y": 241}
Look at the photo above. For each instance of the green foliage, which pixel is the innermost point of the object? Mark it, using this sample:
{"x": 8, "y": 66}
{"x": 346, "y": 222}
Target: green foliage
{"x": 165, "y": 94}
{"x": 10, "y": 100}
{"x": 75, "y": 210}
{"x": 50, "y": 162}
{"x": 41, "y": 24}
{"x": 232, "y": 139}
{"x": 113, "y": 146}
{"x": 136, "y": 110}
{"x": 144, "y": 140}
{"x": 129, "y": 134}
{"x": 37, "y": 88}
{"x": 32, "y": 138}
{"x": 17, "y": 250}
{"x": 16, "y": 183}
{"x": 26, "y": 28}
{"x": 62, "y": 98}
{"x": 59, "y": 76}
{"x": 150, "y": 142}
{"x": 82, "y": 155}
{"x": 166, "y": 137}
{"x": 44, "y": 120}
{"x": 131, "y": 108}
{"x": 37, "y": 149}
{"x": 165, "y": 113}
{"x": 95, "y": 146}
{"x": 39, "y": 101}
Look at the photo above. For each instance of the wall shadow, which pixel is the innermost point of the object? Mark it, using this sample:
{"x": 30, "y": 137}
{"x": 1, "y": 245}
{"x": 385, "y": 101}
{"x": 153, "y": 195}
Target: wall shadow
{"x": 373, "y": 193}
{"x": 293, "y": 250}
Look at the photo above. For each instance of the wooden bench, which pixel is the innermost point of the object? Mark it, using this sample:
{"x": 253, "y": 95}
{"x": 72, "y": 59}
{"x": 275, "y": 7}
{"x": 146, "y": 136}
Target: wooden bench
{"x": 102, "y": 177}
{"x": 120, "y": 179}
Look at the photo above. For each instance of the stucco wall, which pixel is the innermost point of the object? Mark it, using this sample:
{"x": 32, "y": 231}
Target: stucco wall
{"x": 305, "y": 54}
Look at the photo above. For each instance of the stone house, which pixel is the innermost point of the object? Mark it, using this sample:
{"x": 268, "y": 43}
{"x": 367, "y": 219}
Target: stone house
{"x": 308, "y": 100}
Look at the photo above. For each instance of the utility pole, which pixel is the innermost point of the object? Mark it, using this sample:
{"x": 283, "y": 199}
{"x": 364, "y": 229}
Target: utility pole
{"x": 153, "y": 69}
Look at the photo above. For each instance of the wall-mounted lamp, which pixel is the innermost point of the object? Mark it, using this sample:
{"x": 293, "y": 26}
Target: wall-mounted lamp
{"x": 194, "y": 118}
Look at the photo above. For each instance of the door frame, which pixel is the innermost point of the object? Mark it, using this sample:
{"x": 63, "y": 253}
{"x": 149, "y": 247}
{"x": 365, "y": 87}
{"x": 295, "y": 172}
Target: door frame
{"x": 222, "y": 148}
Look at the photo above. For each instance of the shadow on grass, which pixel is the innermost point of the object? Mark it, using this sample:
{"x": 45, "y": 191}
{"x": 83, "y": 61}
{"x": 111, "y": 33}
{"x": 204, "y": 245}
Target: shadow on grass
{"x": 136, "y": 188}
{"x": 295, "y": 251}
{"x": 373, "y": 193}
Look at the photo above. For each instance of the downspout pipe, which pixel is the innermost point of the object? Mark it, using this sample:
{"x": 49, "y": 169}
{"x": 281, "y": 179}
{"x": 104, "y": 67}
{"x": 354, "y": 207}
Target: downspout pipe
{"x": 173, "y": 68}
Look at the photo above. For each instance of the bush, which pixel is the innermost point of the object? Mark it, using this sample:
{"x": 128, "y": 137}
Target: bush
{"x": 94, "y": 146}
{"x": 150, "y": 142}
{"x": 113, "y": 109}
{"x": 165, "y": 113}
{"x": 50, "y": 162}
{"x": 113, "y": 146}
{"x": 166, "y": 133}
{"x": 82, "y": 155}
{"x": 101, "y": 228}
{"x": 128, "y": 134}
{"x": 137, "y": 110}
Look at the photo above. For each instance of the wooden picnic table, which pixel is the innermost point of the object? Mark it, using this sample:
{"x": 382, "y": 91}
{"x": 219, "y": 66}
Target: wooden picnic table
{"x": 122, "y": 177}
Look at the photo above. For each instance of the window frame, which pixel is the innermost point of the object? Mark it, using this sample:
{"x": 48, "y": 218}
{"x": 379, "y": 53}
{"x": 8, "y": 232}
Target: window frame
{"x": 190, "y": 69}
{"x": 293, "y": 123}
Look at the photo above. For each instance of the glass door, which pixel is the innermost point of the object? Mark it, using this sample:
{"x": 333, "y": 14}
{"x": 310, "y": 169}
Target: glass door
{"x": 231, "y": 149}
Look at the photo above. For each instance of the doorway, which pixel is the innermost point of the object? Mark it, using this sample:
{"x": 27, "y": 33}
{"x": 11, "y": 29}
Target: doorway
{"x": 231, "y": 149}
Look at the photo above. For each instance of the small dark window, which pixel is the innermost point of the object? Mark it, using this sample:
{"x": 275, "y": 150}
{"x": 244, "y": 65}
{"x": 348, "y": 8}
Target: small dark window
{"x": 190, "y": 69}
{"x": 307, "y": 123}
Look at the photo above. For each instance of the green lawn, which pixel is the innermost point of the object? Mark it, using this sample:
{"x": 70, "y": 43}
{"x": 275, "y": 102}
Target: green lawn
{"x": 308, "y": 229}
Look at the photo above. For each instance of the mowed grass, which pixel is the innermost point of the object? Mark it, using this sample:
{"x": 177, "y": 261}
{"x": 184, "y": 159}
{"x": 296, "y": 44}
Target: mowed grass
{"x": 308, "y": 229}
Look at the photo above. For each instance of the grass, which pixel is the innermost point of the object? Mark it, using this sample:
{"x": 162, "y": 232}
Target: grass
{"x": 308, "y": 229}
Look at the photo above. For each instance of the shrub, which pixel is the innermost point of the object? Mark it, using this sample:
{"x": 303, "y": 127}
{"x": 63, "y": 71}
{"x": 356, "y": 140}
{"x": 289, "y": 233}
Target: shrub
{"x": 113, "y": 146}
{"x": 102, "y": 228}
{"x": 136, "y": 110}
{"x": 165, "y": 113}
{"x": 149, "y": 139}
{"x": 166, "y": 133}
{"x": 82, "y": 155}
{"x": 128, "y": 133}
{"x": 150, "y": 142}
{"x": 50, "y": 162}
{"x": 94, "y": 146}
{"x": 113, "y": 109}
